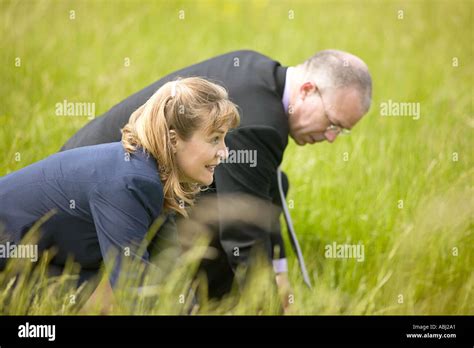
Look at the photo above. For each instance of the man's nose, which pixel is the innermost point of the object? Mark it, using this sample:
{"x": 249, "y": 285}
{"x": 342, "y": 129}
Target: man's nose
{"x": 331, "y": 136}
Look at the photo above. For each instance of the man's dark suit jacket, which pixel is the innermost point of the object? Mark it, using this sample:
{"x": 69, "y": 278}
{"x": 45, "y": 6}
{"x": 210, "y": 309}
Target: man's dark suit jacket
{"x": 255, "y": 83}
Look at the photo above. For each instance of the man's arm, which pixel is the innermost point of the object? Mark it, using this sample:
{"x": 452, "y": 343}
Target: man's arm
{"x": 260, "y": 146}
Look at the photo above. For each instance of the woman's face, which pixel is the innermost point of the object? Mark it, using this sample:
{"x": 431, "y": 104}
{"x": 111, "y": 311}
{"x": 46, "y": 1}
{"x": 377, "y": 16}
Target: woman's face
{"x": 198, "y": 156}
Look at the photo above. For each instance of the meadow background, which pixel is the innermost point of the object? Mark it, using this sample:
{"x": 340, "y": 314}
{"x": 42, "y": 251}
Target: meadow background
{"x": 401, "y": 187}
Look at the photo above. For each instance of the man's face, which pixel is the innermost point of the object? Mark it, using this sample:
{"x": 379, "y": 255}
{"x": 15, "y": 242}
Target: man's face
{"x": 198, "y": 156}
{"x": 313, "y": 116}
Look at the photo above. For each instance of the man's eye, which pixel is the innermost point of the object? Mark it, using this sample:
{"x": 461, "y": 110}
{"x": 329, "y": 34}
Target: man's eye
{"x": 216, "y": 140}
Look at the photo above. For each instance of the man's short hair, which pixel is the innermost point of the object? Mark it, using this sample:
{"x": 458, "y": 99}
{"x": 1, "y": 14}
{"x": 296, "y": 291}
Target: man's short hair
{"x": 334, "y": 69}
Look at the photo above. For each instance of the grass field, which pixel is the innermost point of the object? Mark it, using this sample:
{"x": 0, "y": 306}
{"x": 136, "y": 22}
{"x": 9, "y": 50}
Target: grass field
{"x": 401, "y": 186}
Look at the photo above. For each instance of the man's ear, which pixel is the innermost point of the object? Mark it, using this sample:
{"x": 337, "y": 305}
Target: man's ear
{"x": 173, "y": 140}
{"x": 307, "y": 88}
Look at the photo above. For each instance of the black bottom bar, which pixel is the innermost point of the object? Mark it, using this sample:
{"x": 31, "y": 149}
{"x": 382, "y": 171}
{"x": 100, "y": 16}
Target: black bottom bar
{"x": 447, "y": 331}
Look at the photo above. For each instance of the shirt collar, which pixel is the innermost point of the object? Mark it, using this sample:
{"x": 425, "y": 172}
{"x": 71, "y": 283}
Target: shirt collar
{"x": 286, "y": 92}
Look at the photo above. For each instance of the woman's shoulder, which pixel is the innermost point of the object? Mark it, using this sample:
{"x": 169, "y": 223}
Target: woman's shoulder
{"x": 130, "y": 191}
{"x": 113, "y": 169}
{"x": 111, "y": 161}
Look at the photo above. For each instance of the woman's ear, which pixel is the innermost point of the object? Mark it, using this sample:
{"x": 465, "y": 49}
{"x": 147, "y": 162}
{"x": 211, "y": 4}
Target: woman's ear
{"x": 173, "y": 140}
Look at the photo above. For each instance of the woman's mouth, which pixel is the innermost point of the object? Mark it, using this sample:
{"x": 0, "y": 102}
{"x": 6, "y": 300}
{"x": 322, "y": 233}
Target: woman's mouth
{"x": 211, "y": 168}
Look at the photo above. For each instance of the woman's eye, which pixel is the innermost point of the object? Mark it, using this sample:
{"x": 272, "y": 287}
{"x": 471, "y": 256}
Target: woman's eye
{"x": 215, "y": 140}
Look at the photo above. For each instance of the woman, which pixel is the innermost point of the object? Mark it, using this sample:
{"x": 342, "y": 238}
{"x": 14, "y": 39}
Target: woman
{"x": 103, "y": 199}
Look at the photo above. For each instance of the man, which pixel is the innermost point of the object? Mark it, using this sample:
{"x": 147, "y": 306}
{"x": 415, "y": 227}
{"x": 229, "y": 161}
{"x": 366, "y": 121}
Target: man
{"x": 312, "y": 102}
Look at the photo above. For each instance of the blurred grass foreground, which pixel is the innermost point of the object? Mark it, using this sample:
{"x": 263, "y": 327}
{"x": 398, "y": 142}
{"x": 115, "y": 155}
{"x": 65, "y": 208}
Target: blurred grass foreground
{"x": 401, "y": 187}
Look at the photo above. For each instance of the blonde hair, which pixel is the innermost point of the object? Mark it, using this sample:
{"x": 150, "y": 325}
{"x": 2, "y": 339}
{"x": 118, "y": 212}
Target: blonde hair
{"x": 185, "y": 106}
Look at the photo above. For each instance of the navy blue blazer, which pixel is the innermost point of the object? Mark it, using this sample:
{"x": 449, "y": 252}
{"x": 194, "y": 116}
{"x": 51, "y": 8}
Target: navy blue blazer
{"x": 103, "y": 199}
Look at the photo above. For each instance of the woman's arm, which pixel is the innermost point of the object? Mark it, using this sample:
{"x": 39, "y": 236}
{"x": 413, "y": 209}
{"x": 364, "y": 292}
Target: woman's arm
{"x": 122, "y": 211}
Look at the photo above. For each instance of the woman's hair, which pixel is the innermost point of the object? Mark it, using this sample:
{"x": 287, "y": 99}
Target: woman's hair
{"x": 185, "y": 106}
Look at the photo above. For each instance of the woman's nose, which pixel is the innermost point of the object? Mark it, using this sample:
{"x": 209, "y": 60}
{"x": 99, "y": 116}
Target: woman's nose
{"x": 223, "y": 153}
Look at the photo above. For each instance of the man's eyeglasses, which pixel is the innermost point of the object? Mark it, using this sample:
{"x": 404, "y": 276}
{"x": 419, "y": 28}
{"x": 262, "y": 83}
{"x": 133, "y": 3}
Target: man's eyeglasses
{"x": 338, "y": 130}
{"x": 332, "y": 127}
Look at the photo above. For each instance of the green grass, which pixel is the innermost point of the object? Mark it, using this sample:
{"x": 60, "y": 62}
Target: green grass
{"x": 408, "y": 251}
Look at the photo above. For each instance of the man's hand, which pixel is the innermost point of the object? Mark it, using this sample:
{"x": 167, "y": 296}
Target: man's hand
{"x": 285, "y": 291}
